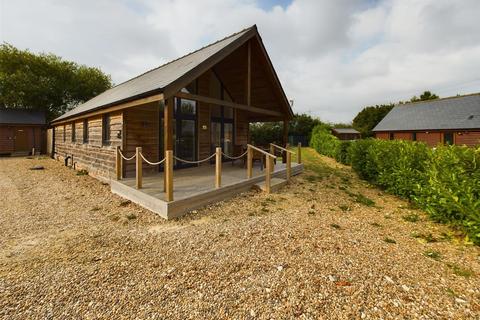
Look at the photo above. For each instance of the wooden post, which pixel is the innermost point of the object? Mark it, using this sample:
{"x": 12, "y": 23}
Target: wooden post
{"x": 287, "y": 146}
{"x": 299, "y": 153}
{"x": 118, "y": 163}
{"x": 285, "y": 138}
{"x": 167, "y": 134}
{"x": 169, "y": 174}
{"x": 218, "y": 167}
{"x": 33, "y": 152}
{"x": 138, "y": 166}
{"x": 249, "y": 162}
{"x": 268, "y": 174}
{"x": 249, "y": 73}
{"x": 289, "y": 165}
{"x": 272, "y": 149}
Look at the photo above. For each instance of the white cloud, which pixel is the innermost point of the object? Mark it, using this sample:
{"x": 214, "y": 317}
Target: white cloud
{"x": 333, "y": 57}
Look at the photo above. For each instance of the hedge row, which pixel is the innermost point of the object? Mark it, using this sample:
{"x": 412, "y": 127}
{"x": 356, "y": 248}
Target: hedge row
{"x": 444, "y": 181}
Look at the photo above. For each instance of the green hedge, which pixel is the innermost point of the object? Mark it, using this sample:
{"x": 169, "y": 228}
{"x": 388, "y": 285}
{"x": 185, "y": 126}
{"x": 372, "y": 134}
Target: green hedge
{"x": 444, "y": 181}
{"x": 323, "y": 141}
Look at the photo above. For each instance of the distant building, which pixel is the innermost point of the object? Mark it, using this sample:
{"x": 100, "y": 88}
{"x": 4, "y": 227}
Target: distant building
{"x": 21, "y": 131}
{"x": 346, "y": 133}
{"x": 453, "y": 120}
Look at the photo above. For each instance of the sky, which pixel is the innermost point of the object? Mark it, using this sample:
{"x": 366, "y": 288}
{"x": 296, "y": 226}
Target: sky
{"x": 332, "y": 57}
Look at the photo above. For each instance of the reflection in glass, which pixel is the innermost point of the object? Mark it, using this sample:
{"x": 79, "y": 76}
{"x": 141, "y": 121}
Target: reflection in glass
{"x": 228, "y": 139}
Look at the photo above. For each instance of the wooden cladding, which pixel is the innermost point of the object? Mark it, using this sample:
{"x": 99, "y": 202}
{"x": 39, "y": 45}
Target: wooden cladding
{"x": 90, "y": 155}
{"x": 142, "y": 130}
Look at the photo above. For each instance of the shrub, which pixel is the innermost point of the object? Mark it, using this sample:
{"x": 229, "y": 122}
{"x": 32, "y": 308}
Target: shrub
{"x": 323, "y": 141}
{"x": 452, "y": 191}
{"x": 342, "y": 152}
{"x": 444, "y": 181}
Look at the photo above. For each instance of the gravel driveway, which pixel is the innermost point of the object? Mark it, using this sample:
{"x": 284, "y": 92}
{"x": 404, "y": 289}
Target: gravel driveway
{"x": 327, "y": 246}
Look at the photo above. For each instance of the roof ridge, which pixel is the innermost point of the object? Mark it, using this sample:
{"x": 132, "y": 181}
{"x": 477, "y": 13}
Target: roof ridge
{"x": 437, "y": 99}
{"x": 185, "y": 55}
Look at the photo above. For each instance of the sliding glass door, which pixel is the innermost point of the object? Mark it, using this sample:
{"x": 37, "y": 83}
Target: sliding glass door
{"x": 185, "y": 134}
{"x": 222, "y": 129}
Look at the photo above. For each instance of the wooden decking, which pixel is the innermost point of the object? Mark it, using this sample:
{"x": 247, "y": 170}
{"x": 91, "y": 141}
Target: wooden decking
{"x": 194, "y": 187}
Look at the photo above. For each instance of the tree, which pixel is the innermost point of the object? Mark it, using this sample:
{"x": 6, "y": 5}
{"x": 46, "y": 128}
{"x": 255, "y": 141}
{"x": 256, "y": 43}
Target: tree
{"x": 426, "y": 95}
{"x": 46, "y": 82}
{"x": 263, "y": 133}
{"x": 369, "y": 117}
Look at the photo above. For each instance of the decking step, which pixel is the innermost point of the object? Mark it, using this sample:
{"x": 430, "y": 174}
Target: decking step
{"x": 275, "y": 184}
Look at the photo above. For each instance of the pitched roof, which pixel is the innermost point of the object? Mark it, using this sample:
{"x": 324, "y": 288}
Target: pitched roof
{"x": 21, "y": 116}
{"x": 156, "y": 80}
{"x": 461, "y": 112}
{"x": 345, "y": 130}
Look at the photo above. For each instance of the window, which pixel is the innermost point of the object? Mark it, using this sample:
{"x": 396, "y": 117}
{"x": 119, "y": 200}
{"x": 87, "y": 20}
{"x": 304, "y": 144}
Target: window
{"x": 391, "y": 136}
{"x": 73, "y": 132}
{"x": 414, "y": 136}
{"x": 448, "y": 138}
{"x": 85, "y": 131}
{"x": 106, "y": 129}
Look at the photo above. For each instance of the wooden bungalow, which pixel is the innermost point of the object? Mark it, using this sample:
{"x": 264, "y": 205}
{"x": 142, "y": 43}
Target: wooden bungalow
{"x": 22, "y": 132}
{"x": 177, "y": 123}
{"x": 452, "y": 120}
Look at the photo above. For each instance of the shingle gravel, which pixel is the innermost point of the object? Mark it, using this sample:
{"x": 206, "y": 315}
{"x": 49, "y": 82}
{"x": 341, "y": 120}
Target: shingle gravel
{"x": 71, "y": 249}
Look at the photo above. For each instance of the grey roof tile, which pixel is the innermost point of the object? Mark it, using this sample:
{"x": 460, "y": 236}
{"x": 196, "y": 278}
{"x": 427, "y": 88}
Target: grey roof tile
{"x": 462, "y": 112}
{"x": 155, "y": 79}
{"x": 21, "y": 116}
{"x": 345, "y": 130}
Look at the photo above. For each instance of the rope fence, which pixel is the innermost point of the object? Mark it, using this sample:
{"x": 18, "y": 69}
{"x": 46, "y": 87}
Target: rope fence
{"x": 194, "y": 162}
{"x": 152, "y": 163}
{"x": 235, "y": 158}
{"x": 125, "y": 158}
{"x": 169, "y": 165}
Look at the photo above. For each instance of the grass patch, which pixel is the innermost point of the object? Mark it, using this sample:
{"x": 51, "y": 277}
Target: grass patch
{"x": 459, "y": 271}
{"x": 435, "y": 255}
{"x": 345, "y": 208}
{"x": 412, "y": 217}
{"x": 389, "y": 240}
{"x": 377, "y": 225}
{"x": 82, "y": 172}
{"x": 335, "y": 226}
{"x": 131, "y": 216}
{"x": 426, "y": 237}
{"x": 360, "y": 198}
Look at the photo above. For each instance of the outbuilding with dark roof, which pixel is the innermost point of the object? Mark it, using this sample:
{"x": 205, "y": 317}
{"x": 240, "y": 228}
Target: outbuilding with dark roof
{"x": 21, "y": 131}
{"x": 453, "y": 120}
{"x": 346, "y": 133}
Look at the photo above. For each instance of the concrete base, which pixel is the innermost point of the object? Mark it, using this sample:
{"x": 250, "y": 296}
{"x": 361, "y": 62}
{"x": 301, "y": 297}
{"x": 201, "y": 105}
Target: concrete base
{"x": 275, "y": 184}
{"x": 186, "y": 196}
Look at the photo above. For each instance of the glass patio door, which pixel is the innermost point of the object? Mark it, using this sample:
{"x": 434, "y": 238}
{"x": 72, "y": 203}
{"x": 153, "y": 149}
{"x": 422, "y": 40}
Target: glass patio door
{"x": 222, "y": 129}
{"x": 185, "y": 133}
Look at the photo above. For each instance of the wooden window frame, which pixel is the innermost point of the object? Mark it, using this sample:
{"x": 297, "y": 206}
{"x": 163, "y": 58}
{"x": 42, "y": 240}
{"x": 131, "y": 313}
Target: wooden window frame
{"x": 85, "y": 131}
{"x": 73, "y": 134}
{"x": 106, "y": 134}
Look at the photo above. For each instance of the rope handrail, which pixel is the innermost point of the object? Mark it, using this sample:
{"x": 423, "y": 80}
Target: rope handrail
{"x": 234, "y": 158}
{"x": 282, "y": 148}
{"x": 194, "y": 162}
{"x": 262, "y": 151}
{"x": 125, "y": 158}
{"x": 152, "y": 163}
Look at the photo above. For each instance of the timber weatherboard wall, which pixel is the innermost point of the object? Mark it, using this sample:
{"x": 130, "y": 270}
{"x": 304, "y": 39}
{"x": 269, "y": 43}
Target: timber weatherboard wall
{"x": 93, "y": 156}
